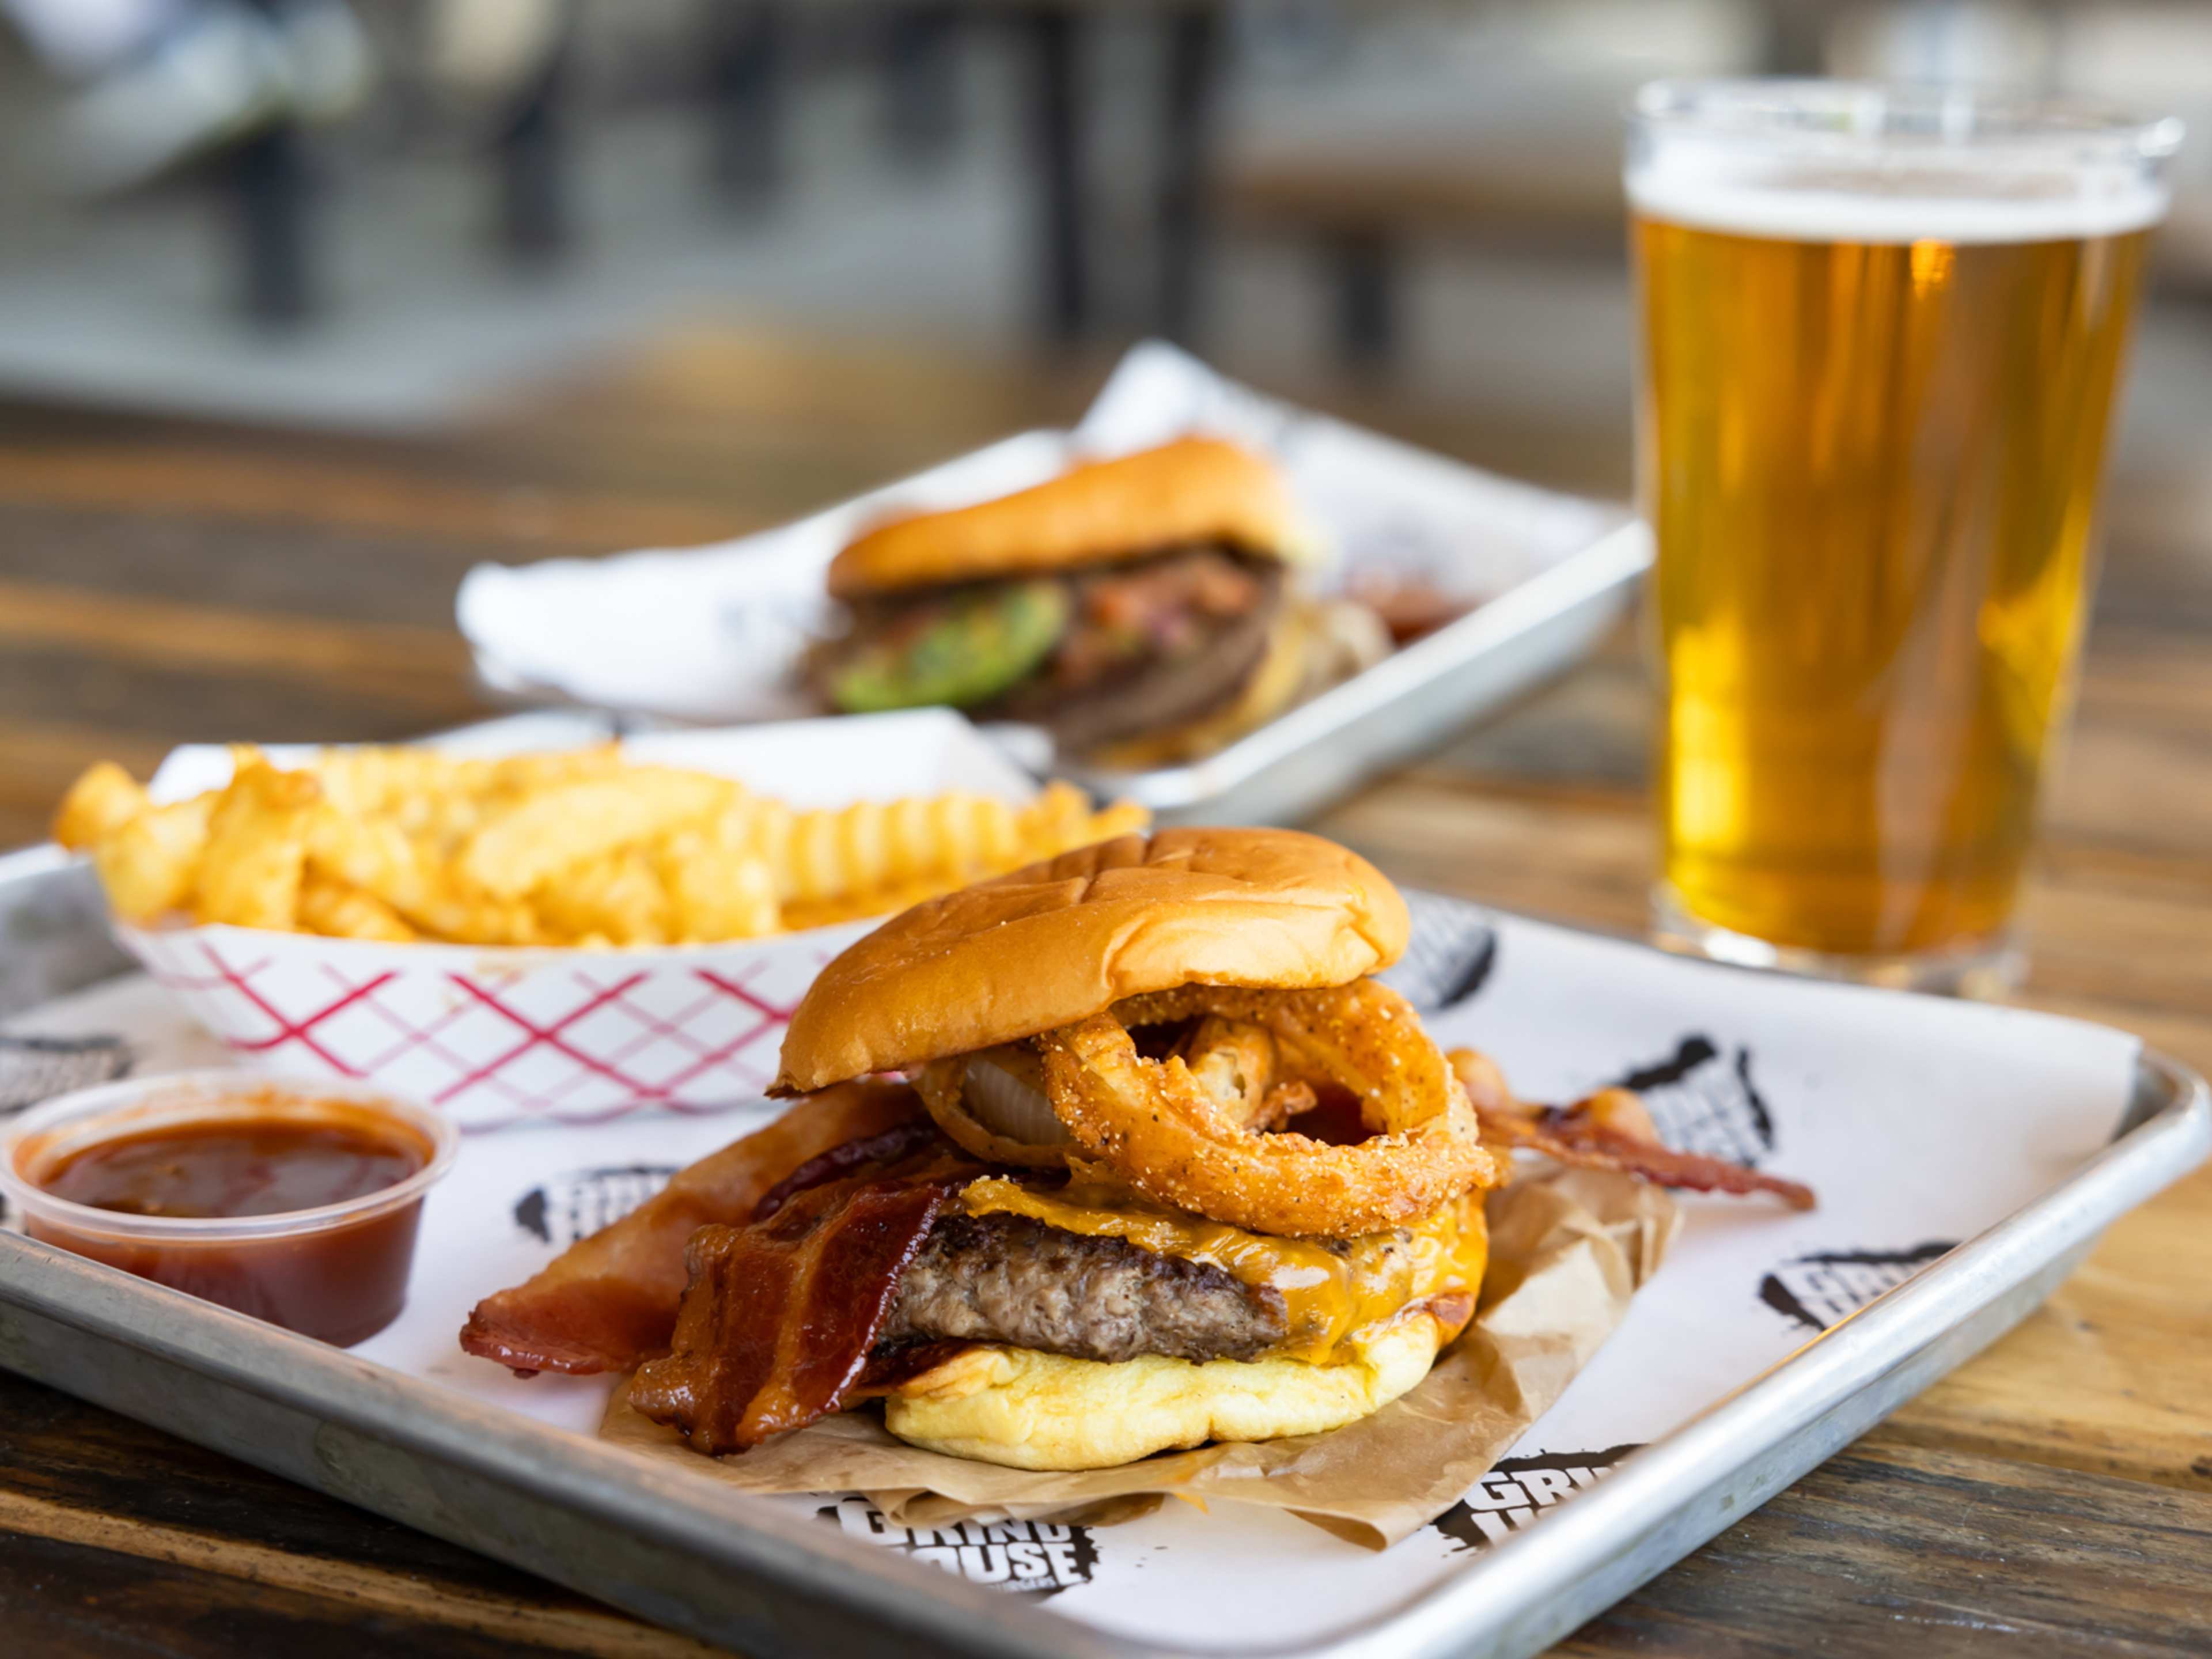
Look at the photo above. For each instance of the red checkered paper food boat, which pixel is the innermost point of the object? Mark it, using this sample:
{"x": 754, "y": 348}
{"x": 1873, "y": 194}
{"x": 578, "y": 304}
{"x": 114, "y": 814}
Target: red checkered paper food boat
{"x": 496, "y": 1037}
{"x": 499, "y": 1036}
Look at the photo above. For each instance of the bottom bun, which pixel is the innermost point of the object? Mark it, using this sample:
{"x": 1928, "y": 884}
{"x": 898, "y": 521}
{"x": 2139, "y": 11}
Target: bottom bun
{"x": 1041, "y": 1411}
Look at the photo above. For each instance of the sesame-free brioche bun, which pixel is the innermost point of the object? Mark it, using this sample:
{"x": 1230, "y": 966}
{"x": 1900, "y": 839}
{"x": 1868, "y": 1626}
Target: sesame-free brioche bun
{"x": 1043, "y": 947}
{"x": 1195, "y": 489}
{"x": 1046, "y": 1411}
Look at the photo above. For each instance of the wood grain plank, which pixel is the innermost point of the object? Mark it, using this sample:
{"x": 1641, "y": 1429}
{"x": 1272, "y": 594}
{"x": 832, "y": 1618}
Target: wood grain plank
{"x": 263, "y": 485}
{"x": 2113, "y": 1374}
{"x": 2119, "y": 943}
{"x": 186, "y": 703}
{"x": 345, "y": 573}
{"x": 1894, "y": 1549}
{"x": 60, "y": 1599}
{"x": 39, "y": 759}
{"x": 73, "y": 1475}
{"x": 516, "y": 1616}
{"x": 374, "y": 658}
{"x": 1554, "y": 851}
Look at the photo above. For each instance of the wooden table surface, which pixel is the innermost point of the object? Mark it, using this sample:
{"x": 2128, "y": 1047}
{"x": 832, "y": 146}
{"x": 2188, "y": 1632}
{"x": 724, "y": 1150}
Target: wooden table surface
{"x": 160, "y": 582}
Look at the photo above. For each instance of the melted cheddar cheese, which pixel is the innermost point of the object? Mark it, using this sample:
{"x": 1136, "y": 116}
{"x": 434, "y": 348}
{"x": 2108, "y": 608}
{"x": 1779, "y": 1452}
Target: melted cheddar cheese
{"x": 1336, "y": 1292}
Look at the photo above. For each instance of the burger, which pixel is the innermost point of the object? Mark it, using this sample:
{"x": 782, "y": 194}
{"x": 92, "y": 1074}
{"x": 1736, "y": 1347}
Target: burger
{"x": 1141, "y": 609}
{"x": 1172, "y": 1167}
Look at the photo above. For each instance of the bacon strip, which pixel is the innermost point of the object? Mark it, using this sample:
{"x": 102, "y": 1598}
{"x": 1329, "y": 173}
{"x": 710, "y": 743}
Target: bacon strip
{"x": 780, "y": 1317}
{"x": 1609, "y": 1131}
{"x": 1561, "y": 1134}
{"x": 609, "y": 1301}
{"x": 902, "y": 1140}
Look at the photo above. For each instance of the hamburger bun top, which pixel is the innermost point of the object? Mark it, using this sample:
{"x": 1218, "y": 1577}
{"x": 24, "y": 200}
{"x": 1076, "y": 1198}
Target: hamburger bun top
{"x": 1043, "y": 947}
{"x": 1193, "y": 490}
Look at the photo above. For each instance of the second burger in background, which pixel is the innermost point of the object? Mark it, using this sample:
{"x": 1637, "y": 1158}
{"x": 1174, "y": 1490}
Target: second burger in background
{"x": 1142, "y": 611}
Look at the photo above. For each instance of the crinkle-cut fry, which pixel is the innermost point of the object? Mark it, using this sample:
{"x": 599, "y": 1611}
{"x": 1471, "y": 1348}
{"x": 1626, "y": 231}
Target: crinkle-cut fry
{"x": 872, "y": 847}
{"x": 759, "y": 827}
{"x": 971, "y": 840}
{"x": 372, "y": 781}
{"x": 256, "y": 847}
{"x": 566, "y": 824}
{"x": 619, "y": 895}
{"x": 150, "y": 865}
{"x": 1122, "y": 817}
{"x": 474, "y": 919}
{"x": 376, "y": 855}
{"x": 101, "y": 801}
{"x": 1061, "y": 819}
{"x": 441, "y": 823}
{"x": 717, "y": 888}
{"x": 881, "y": 848}
{"x": 800, "y": 914}
{"x": 471, "y": 850}
{"x": 1057, "y": 818}
{"x": 333, "y": 909}
{"x": 518, "y": 775}
{"x": 414, "y": 782}
{"x": 373, "y": 853}
{"x": 826, "y": 878}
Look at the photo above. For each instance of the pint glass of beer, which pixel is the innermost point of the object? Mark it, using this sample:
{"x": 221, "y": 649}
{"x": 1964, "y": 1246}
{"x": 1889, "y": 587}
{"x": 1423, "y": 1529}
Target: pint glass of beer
{"x": 1881, "y": 330}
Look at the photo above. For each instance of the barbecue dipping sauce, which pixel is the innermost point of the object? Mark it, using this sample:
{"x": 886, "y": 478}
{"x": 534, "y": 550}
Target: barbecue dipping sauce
{"x": 260, "y": 1153}
{"x": 251, "y": 1167}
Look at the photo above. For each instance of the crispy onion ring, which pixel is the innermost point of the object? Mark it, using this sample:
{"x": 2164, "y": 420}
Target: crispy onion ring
{"x": 1168, "y": 1137}
{"x": 943, "y": 1085}
{"x": 1233, "y": 1061}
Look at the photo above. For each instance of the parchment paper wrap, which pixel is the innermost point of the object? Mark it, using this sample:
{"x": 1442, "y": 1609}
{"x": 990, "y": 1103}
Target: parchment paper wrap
{"x": 1568, "y": 1249}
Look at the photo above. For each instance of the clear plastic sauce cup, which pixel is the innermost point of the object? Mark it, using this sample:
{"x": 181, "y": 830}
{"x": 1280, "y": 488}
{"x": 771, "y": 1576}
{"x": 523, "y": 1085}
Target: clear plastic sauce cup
{"x": 238, "y": 1141}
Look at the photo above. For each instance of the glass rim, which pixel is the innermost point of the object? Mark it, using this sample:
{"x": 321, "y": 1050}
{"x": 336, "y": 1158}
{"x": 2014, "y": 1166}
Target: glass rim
{"x": 204, "y": 1088}
{"x": 1961, "y": 118}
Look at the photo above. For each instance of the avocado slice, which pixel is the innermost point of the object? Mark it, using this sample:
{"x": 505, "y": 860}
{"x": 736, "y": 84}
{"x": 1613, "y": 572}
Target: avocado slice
{"x": 981, "y": 644}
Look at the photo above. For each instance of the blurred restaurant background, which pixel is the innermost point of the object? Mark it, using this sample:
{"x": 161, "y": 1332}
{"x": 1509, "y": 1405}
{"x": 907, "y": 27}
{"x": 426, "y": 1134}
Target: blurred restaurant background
{"x": 600, "y": 274}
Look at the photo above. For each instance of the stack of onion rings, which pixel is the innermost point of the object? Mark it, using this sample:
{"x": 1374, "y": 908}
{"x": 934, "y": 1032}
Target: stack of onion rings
{"x": 1171, "y": 1139}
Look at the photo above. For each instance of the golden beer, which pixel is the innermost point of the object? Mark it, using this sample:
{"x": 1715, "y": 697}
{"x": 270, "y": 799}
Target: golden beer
{"x": 1870, "y": 461}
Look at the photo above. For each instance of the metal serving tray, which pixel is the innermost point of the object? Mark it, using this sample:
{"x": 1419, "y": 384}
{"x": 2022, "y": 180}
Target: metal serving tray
{"x": 729, "y": 1568}
{"x": 1322, "y": 750}
{"x": 1593, "y": 553}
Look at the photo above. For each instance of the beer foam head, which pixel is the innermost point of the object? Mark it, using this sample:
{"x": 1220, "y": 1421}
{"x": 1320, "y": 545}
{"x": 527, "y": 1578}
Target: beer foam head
{"x": 1834, "y": 161}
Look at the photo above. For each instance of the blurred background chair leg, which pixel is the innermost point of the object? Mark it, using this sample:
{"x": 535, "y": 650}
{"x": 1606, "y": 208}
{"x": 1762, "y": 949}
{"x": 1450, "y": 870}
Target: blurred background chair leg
{"x": 1056, "y": 154}
{"x": 747, "y": 49}
{"x": 1194, "y": 66}
{"x": 266, "y": 175}
{"x": 1796, "y": 35}
{"x": 533, "y": 159}
{"x": 922, "y": 111}
{"x": 1364, "y": 266}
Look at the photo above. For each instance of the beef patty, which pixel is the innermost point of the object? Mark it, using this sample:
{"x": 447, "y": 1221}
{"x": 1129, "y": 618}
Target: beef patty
{"x": 1008, "y": 1278}
{"x": 1165, "y": 677}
